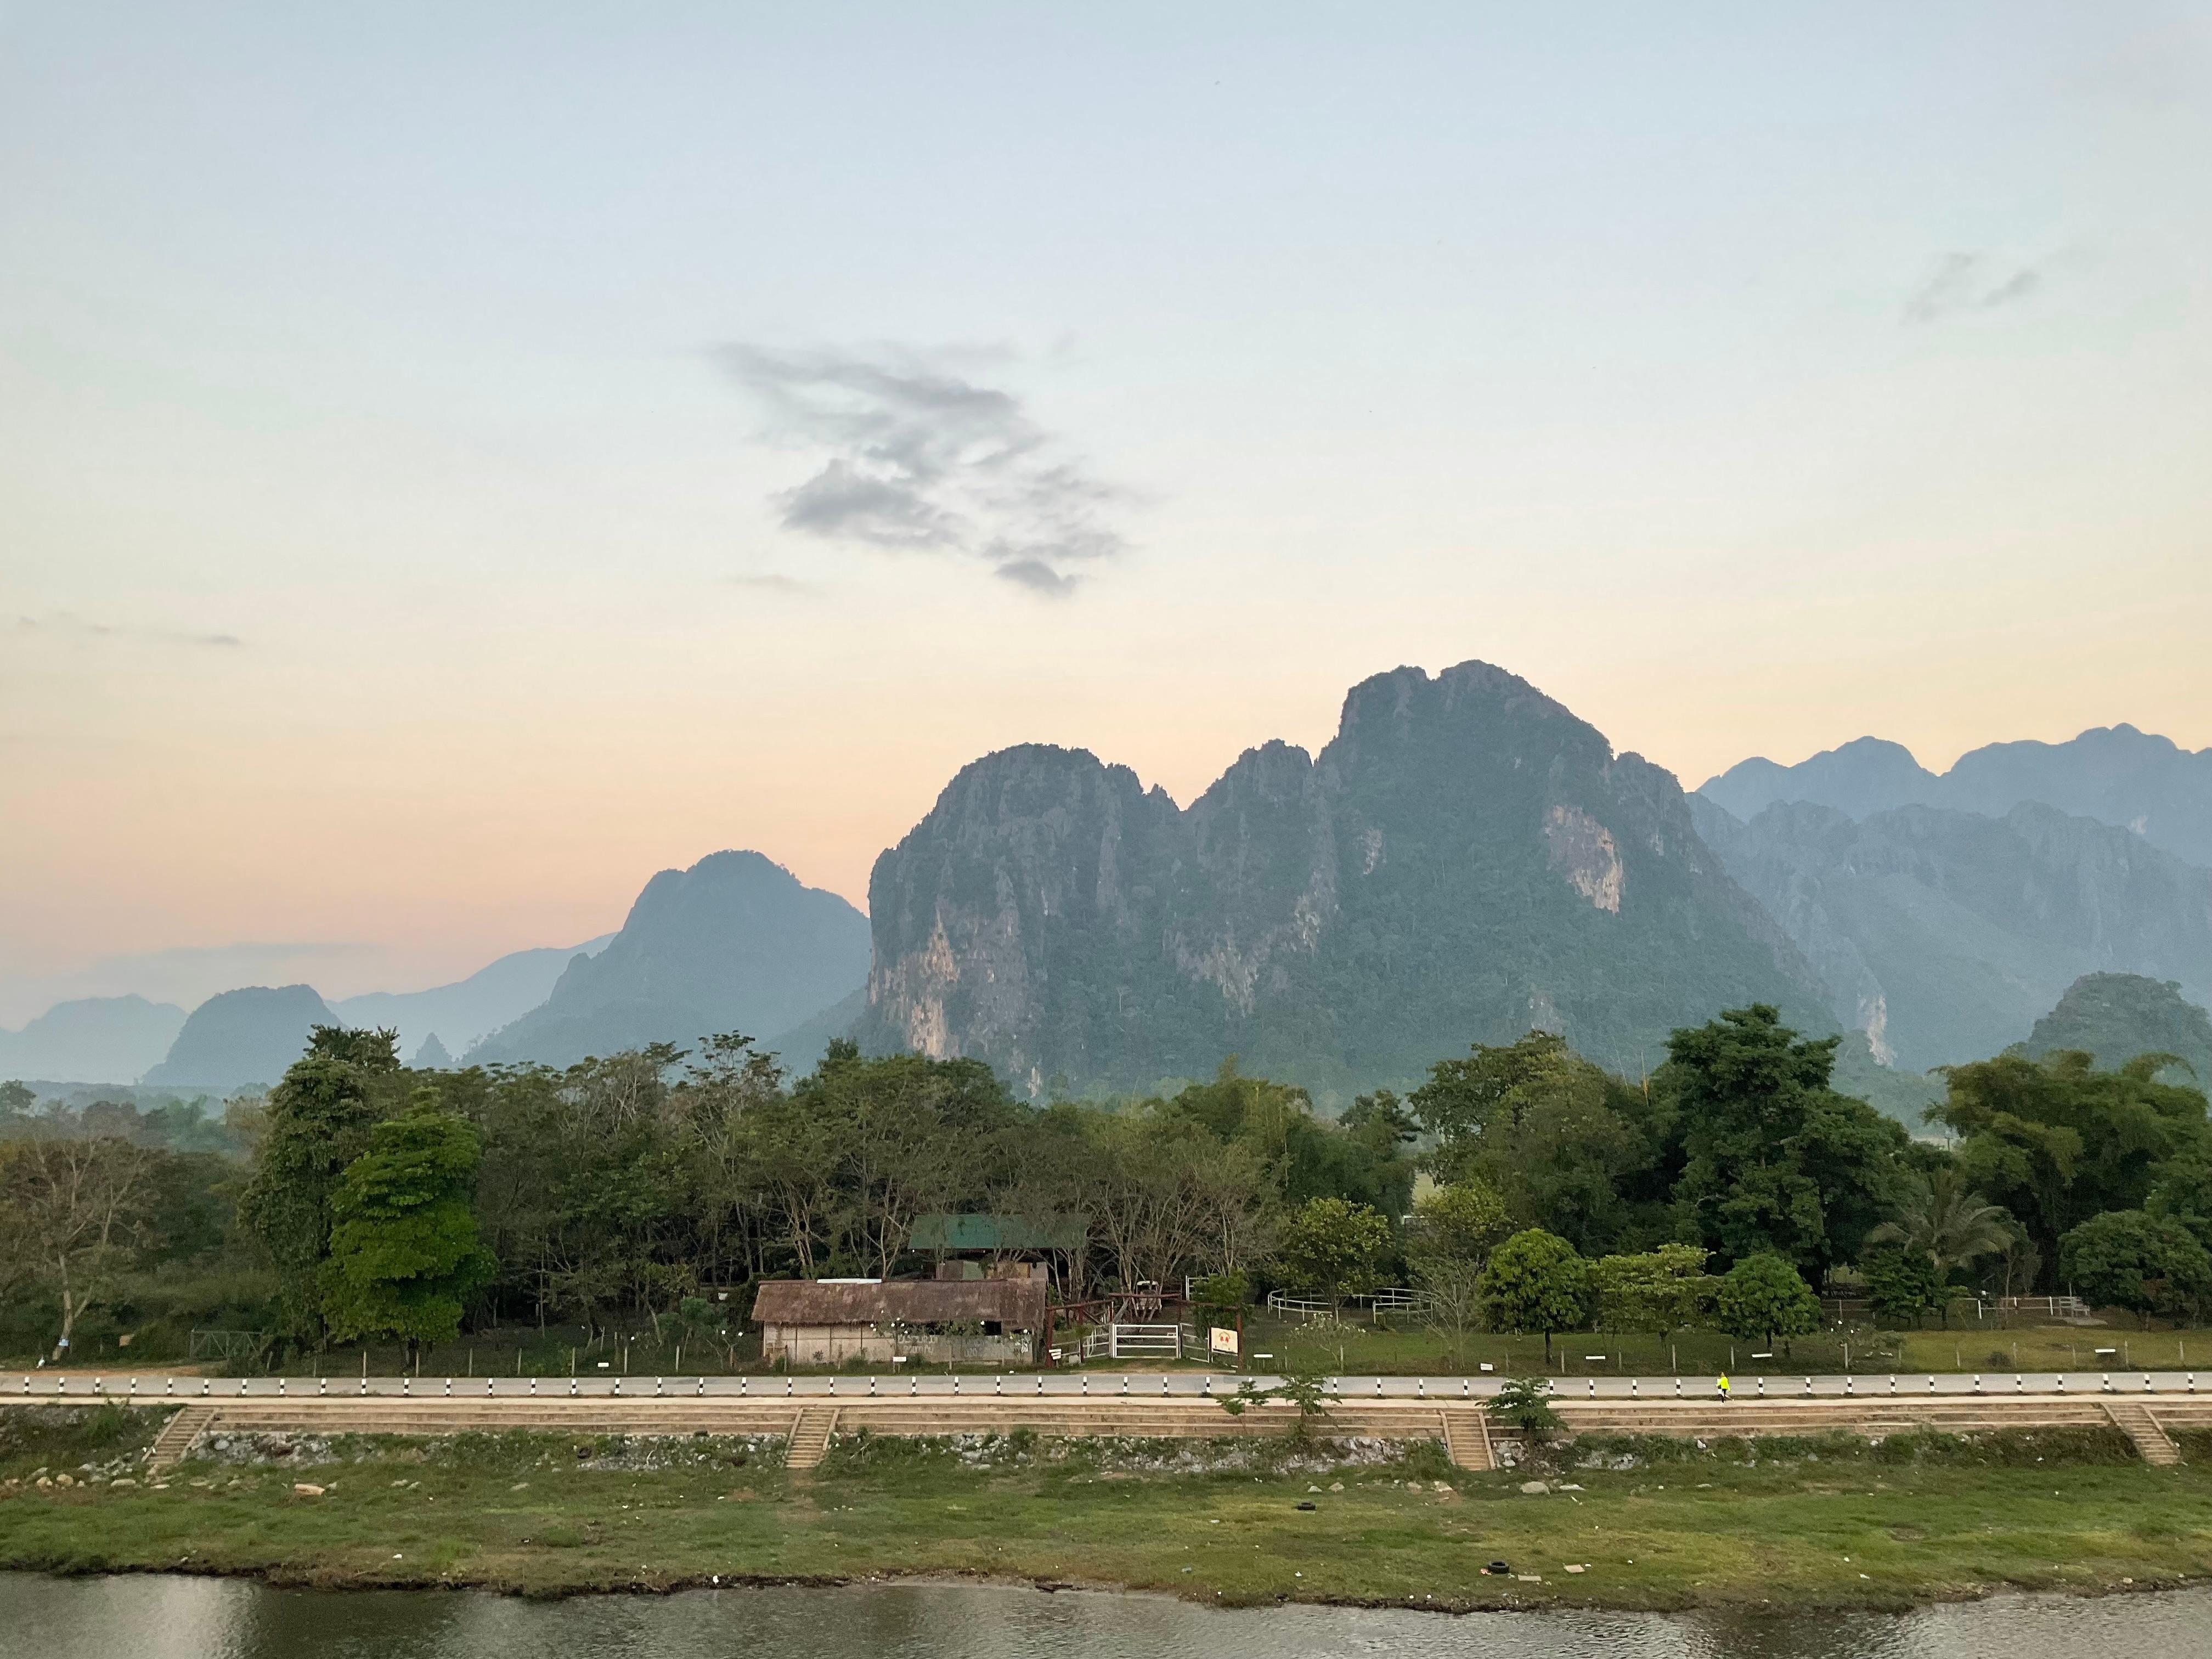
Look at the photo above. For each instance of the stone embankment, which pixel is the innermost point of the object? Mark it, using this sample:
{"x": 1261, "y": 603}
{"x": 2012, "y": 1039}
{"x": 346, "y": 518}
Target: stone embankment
{"x": 808, "y": 1424}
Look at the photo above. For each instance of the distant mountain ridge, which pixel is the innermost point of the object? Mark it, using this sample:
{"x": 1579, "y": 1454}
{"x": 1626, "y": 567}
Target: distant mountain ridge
{"x": 1943, "y": 934}
{"x": 735, "y": 942}
{"x": 2115, "y": 774}
{"x": 1464, "y": 860}
{"x": 92, "y": 1039}
{"x": 242, "y": 1038}
{"x": 459, "y": 1014}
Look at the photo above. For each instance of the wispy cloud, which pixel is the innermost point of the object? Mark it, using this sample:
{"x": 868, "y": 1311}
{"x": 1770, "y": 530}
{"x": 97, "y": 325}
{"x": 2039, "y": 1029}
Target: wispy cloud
{"x": 62, "y": 624}
{"x": 769, "y": 582}
{"x": 1964, "y": 283}
{"x": 917, "y": 457}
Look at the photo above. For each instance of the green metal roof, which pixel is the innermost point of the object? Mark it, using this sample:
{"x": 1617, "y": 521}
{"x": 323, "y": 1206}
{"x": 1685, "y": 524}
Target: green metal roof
{"x": 998, "y": 1232}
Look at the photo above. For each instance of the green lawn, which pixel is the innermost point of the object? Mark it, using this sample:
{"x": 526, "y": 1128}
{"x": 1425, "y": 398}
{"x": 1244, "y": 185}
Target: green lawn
{"x": 1834, "y": 1523}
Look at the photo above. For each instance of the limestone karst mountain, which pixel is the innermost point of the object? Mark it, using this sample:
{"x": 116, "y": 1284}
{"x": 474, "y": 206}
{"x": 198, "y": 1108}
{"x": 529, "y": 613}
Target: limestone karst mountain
{"x": 242, "y": 1038}
{"x": 2116, "y": 1016}
{"x": 1466, "y": 860}
{"x": 735, "y": 942}
{"x": 2114, "y": 773}
{"x": 1943, "y": 934}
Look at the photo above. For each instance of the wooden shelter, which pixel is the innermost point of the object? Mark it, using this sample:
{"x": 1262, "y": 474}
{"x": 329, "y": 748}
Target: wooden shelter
{"x": 927, "y": 1320}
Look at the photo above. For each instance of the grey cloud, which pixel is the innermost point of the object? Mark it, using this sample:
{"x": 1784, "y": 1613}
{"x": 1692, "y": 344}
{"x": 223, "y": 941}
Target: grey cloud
{"x": 1038, "y": 577}
{"x": 1970, "y": 282}
{"x": 769, "y": 582}
{"x": 920, "y": 458}
{"x": 61, "y": 625}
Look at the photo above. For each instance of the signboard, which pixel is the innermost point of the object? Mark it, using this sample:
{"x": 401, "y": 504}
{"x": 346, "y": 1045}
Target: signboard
{"x": 1224, "y": 1341}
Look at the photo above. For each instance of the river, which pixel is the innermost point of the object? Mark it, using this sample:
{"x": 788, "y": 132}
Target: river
{"x": 178, "y": 1618}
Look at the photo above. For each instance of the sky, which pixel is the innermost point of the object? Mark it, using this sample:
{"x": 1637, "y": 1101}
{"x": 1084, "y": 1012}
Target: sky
{"x": 456, "y": 461}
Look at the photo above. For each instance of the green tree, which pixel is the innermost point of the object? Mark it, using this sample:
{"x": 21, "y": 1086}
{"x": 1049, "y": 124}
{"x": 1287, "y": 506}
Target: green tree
{"x": 2144, "y": 1263}
{"x": 1660, "y": 1289}
{"x": 317, "y": 1123}
{"x": 1901, "y": 1284}
{"x": 1556, "y": 1137}
{"x": 1305, "y": 1389}
{"x": 1536, "y": 1282}
{"x": 1940, "y": 1222}
{"x": 1763, "y": 1296}
{"x": 1525, "y": 1403}
{"x": 1774, "y": 1159}
{"x": 2055, "y": 1141}
{"x": 15, "y": 1102}
{"x": 1331, "y": 1246}
{"x": 1465, "y": 1220}
{"x": 404, "y": 1254}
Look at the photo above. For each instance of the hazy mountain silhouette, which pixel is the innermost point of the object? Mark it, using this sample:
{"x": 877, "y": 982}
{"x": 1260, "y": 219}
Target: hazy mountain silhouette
{"x": 2115, "y": 774}
{"x": 735, "y": 942}
{"x": 462, "y": 1012}
{"x": 92, "y": 1039}
{"x": 242, "y": 1038}
{"x": 1943, "y": 934}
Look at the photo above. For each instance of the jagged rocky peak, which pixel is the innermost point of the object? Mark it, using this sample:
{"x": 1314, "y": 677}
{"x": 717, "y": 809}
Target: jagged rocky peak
{"x": 1463, "y": 856}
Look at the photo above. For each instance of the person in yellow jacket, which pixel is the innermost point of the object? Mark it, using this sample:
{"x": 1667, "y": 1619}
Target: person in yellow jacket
{"x": 1725, "y": 1386}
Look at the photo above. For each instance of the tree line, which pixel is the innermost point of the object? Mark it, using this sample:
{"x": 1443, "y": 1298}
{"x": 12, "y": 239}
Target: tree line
{"x": 382, "y": 1202}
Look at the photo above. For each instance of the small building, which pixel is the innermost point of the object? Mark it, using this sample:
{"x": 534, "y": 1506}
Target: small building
{"x": 992, "y": 1322}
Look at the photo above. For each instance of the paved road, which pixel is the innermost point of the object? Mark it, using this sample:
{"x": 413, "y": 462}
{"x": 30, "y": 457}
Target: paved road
{"x": 1092, "y": 1383}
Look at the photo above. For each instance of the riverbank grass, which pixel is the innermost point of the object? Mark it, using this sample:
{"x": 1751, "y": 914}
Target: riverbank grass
{"x": 1827, "y": 1523}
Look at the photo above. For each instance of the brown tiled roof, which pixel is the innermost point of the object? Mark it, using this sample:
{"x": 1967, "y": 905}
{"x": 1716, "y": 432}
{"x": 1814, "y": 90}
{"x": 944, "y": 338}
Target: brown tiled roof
{"x": 1018, "y": 1304}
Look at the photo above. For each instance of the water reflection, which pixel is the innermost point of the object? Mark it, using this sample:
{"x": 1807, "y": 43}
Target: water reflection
{"x": 161, "y": 1617}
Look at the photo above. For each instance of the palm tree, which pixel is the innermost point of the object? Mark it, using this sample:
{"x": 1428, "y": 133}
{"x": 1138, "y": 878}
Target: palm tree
{"x": 1940, "y": 1220}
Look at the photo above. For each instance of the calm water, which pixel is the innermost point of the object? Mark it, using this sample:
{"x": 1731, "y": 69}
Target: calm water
{"x": 153, "y": 1618}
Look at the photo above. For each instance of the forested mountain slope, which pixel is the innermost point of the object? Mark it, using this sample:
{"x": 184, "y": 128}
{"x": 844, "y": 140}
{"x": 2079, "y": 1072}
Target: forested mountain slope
{"x": 2116, "y": 1016}
{"x": 1943, "y": 934}
{"x": 1466, "y": 860}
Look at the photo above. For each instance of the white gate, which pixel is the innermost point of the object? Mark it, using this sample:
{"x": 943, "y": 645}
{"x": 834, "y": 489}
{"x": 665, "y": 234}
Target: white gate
{"x": 1143, "y": 1341}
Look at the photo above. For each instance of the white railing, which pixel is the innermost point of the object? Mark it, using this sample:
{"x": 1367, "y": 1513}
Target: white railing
{"x": 1399, "y": 1299}
{"x": 2055, "y": 1307}
{"x": 1305, "y": 1307}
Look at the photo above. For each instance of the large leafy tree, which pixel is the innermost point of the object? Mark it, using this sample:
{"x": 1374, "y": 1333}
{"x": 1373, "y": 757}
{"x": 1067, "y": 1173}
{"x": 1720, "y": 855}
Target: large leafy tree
{"x": 2147, "y": 1264}
{"x": 2055, "y": 1141}
{"x": 1331, "y": 1246}
{"x": 1764, "y": 1297}
{"x": 1565, "y": 1145}
{"x": 317, "y": 1121}
{"x": 1774, "y": 1160}
{"x": 405, "y": 1256}
{"x": 1659, "y": 1290}
{"x": 1536, "y": 1282}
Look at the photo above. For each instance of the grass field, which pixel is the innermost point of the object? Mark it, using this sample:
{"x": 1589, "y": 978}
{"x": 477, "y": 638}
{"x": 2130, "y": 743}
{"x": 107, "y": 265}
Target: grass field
{"x": 1828, "y": 1523}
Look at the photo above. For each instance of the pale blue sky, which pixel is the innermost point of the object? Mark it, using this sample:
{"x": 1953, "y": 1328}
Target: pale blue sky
{"x": 395, "y": 556}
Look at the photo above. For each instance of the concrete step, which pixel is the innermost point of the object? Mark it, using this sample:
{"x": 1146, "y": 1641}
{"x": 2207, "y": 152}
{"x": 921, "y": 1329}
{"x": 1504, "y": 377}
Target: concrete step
{"x": 176, "y": 1438}
{"x": 810, "y": 1438}
{"x": 1466, "y": 1437}
{"x": 2135, "y": 1421}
